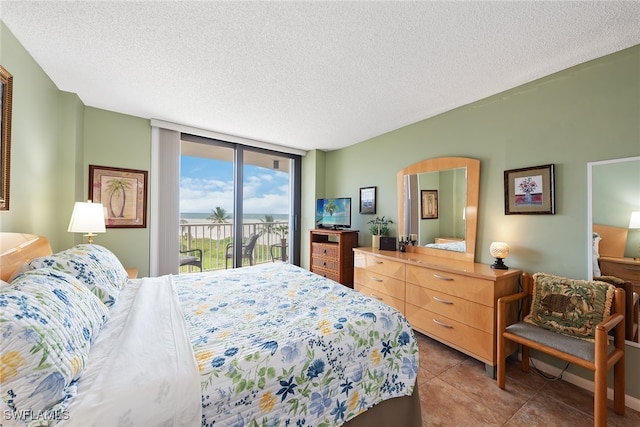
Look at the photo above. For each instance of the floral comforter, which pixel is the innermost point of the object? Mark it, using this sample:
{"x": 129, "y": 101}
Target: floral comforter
{"x": 277, "y": 345}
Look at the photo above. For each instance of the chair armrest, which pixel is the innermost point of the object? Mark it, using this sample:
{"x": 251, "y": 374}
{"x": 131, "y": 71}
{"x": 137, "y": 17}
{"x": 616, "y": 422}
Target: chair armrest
{"x": 198, "y": 251}
{"x": 610, "y": 322}
{"x": 503, "y": 302}
{"x": 513, "y": 297}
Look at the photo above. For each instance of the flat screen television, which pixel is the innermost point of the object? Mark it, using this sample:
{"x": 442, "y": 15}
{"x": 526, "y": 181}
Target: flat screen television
{"x": 333, "y": 213}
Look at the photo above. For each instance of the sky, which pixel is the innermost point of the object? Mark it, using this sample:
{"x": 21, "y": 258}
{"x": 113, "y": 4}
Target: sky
{"x": 206, "y": 184}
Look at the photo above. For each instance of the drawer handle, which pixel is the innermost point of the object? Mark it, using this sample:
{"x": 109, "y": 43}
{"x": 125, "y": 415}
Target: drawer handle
{"x": 375, "y": 279}
{"x": 437, "y": 276}
{"x": 376, "y": 297}
{"x": 444, "y": 325}
{"x": 444, "y": 301}
{"x": 378, "y": 262}
{"x": 631, "y": 268}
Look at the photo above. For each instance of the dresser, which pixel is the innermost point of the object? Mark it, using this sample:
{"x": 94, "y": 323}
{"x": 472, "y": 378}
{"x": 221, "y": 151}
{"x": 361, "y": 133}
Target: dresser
{"x": 332, "y": 254}
{"x": 451, "y": 301}
{"x": 624, "y": 268}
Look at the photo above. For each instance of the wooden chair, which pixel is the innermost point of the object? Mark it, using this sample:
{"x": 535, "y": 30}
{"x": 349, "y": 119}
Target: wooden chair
{"x": 247, "y": 250}
{"x": 195, "y": 259}
{"x": 597, "y": 357}
{"x": 632, "y": 305}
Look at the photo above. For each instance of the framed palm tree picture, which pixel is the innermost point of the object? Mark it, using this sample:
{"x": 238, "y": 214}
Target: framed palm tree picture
{"x": 122, "y": 192}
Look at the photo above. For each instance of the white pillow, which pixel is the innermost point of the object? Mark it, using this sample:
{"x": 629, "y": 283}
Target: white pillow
{"x": 596, "y": 254}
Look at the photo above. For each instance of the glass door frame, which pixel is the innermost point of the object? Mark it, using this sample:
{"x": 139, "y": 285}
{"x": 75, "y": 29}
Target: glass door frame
{"x": 295, "y": 202}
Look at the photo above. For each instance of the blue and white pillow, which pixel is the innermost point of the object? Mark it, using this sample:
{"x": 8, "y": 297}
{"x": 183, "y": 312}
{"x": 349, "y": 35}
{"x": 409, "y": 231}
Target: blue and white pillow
{"x": 94, "y": 265}
{"x": 48, "y": 321}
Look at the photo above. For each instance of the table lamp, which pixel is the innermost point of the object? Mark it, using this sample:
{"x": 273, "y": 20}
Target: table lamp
{"x": 499, "y": 250}
{"x": 87, "y": 218}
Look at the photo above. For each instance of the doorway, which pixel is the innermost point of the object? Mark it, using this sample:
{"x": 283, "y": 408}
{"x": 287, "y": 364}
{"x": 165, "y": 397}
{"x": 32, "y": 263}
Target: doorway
{"x": 229, "y": 190}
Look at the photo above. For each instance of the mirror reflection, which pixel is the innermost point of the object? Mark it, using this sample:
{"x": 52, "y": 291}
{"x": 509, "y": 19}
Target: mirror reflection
{"x": 436, "y": 208}
{"x": 614, "y": 197}
{"x": 438, "y": 202}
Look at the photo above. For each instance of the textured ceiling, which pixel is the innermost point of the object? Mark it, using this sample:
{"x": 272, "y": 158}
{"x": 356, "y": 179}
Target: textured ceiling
{"x": 308, "y": 74}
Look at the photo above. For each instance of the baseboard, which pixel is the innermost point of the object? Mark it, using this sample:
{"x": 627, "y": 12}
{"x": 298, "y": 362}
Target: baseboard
{"x": 584, "y": 383}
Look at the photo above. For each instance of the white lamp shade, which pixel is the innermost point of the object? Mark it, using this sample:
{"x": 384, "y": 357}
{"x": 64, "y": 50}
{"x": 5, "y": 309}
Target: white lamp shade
{"x": 87, "y": 218}
{"x": 499, "y": 250}
{"x": 634, "y": 222}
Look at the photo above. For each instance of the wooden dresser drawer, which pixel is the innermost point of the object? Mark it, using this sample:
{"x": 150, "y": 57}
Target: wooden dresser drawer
{"x": 396, "y": 303}
{"x": 463, "y": 337}
{"x": 329, "y": 274}
{"x": 326, "y": 263}
{"x": 381, "y": 283}
{"x": 325, "y": 250}
{"x": 380, "y": 265}
{"x": 466, "y": 287}
{"x": 624, "y": 268}
{"x": 466, "y": 312}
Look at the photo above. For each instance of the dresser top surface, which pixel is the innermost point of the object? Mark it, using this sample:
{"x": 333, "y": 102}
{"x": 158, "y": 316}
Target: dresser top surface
{"x": 444, "y": 264}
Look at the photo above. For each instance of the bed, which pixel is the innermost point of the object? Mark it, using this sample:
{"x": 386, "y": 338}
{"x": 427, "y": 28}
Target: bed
{"x": 448, "y": 245}
{"x": 271, "y": 344}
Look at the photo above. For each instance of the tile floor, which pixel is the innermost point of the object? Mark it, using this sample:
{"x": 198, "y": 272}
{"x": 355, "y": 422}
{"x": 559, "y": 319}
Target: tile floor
{"x": 455, "y": 391}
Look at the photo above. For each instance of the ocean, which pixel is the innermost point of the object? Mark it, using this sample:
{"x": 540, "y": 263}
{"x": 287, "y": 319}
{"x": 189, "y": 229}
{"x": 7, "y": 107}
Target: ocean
{"x": 202, "y": 217}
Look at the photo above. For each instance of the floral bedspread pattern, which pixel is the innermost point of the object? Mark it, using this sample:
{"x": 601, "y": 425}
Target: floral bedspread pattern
{"x": 277, "y": 345}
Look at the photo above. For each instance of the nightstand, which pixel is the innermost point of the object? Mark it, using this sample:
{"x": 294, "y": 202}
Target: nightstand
{"x": 132, "y": 272}
{"x": 624, "y": 268}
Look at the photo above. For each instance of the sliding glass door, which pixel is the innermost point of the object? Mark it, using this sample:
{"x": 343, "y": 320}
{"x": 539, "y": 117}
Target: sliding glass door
{"x": 238, "y": 204}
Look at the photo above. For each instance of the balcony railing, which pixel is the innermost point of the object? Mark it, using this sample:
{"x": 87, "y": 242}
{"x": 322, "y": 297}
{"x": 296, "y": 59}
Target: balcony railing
{"x": 213, "y": 238}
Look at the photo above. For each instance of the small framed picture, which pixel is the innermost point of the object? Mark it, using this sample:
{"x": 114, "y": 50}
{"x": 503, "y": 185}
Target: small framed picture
{"x": 368, "y": 200}
{"x": 429, "y": 204}
{"x": 122, "y": 192}
{"x": 529, "y": 190}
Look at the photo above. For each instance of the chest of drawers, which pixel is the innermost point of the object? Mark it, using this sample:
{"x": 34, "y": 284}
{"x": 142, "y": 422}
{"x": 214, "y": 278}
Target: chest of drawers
{"x": 451, "y": 301}
{"x": 332, "y": 254}
{"x": 625, "y": 268}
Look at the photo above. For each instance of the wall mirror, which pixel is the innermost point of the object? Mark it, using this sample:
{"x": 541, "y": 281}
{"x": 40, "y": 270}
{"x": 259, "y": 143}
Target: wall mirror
{"x": 438, "y": 202}
{"x": 612, "y": 195}
{"x": 6, "y": 92}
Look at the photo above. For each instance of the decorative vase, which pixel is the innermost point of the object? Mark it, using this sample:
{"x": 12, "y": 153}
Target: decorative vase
{"x": 375, "y": 241}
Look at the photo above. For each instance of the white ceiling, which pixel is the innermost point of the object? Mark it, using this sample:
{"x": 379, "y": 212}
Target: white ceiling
{"x": 313, "y": 74}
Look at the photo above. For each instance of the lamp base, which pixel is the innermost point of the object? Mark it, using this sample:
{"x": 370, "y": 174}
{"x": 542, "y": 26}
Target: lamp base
{"x": 499, "y": 265}
{"x": 90, "y": 237}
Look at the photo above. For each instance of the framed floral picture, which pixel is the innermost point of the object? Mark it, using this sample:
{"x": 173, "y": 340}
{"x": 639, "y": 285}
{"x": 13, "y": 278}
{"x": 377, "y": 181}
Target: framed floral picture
{"x": 122, "y": 192}
{"x": 529, "y": 190}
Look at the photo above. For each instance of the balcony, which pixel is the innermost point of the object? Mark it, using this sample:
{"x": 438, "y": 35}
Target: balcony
{"x": 212, "y": 239}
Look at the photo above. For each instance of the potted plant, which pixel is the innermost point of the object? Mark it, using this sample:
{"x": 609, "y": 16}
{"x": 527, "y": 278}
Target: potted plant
{"x": 378, "y": 227}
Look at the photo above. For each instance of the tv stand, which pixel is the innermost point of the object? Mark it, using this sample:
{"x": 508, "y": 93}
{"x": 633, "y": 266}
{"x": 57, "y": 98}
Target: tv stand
{"x": 332, "y": 254}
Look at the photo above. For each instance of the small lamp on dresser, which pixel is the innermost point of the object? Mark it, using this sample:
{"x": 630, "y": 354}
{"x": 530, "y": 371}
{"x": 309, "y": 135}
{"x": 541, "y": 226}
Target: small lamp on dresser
{"x": 499, "y": 250}
{"x": 634, "y": 224}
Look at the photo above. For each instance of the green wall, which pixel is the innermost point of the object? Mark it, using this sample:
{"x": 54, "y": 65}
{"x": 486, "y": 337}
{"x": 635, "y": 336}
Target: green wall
{"x": 586, "y": 113}
{"x": 54, "y": 140}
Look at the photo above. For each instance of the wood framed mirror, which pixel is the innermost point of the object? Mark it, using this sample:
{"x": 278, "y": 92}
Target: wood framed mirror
{"x": 452, "y": 234}
{"x": 6, "y": 95}
{"x": 612, "y": 195}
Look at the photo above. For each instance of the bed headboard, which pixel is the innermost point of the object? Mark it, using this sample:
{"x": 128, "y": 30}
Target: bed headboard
{"x": 614, "y": 240}
{"x": 18, "y": 248}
